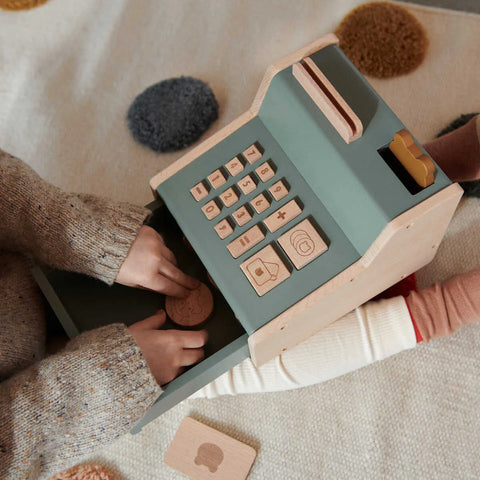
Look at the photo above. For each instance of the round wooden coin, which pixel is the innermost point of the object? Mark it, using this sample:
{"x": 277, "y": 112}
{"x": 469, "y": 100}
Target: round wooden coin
{"x": 192, "y": 310}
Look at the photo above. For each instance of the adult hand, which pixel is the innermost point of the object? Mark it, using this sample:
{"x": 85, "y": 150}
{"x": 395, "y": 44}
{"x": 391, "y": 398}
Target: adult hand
{"x": 167, "y": 352}
{"x": 152, "y": 265}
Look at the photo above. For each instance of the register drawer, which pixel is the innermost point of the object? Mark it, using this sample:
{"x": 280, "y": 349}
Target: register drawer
{"x": 82, "y": 303}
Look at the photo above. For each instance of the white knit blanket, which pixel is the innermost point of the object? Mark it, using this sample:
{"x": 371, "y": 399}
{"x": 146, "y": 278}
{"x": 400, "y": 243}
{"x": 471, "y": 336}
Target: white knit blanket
{"x": 68, "y": 72}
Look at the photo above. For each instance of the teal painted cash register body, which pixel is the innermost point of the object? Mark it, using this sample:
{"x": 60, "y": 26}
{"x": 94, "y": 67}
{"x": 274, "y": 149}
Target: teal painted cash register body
{"x": 309, "y": 204}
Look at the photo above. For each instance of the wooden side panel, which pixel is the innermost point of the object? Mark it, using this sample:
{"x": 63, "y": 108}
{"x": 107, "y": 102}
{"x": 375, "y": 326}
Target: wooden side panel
{"x": 418, "y": 231}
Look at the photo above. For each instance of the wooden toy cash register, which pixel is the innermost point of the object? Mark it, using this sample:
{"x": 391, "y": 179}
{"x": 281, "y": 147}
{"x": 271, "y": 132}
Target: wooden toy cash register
{"x": 306, "y": 206}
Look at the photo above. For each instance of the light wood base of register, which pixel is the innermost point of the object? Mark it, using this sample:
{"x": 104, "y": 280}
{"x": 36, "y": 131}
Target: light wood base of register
{"x": 418, "y": 231}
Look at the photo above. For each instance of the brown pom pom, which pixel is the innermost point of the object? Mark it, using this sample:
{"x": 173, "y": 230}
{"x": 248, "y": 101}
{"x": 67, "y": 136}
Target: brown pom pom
{"x": 84, "y": 472}
{"x": 382, "y": 40}
{"x": 20, "y": 4}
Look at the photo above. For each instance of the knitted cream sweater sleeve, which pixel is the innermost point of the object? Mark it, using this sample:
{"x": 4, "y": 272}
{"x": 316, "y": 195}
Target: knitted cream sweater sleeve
{"x": 73, "y": 403}
{"x": 75, "y": 232}
{"x": 68, "y": 405}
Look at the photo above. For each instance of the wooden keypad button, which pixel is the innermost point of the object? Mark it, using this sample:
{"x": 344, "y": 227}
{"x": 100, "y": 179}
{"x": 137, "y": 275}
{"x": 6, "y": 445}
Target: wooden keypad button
{"x": 247, "y": 184}
{"x": 278, "y": 190}
{"x": 199, "y": 191}
{"x": 224, "y": 229}
{"x": 241, "y": 216}
{"x": 252, "y": 154}
{"x": 260, "y": 203}
{"x": 216, "y": 179}
{"x": 265, "y": 172}
{"x": 265, "y": 270}
{"x": 282, "y": 216}
{"x": 229, "y": 197}
{"x": 302, "y": 244}
{"x": 245, "y": 242}
{"x": 211, "y": 209}
{"x": 234, "y": 166}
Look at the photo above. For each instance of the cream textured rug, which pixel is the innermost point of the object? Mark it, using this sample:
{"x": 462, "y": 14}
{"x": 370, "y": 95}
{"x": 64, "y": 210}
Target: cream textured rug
{"x": 68, "y": 72}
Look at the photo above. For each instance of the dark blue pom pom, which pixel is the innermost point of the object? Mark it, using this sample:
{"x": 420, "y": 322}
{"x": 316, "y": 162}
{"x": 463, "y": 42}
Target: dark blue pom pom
{"x": 172, "y": 114}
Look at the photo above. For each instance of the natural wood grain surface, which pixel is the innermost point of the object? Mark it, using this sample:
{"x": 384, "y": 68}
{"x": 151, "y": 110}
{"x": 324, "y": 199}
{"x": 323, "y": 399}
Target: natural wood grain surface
{"x": 192, "y": 310}
{"x": 203, "y": 453}
{"x": 417, "y": 231}
{"x": 328, "y": 100}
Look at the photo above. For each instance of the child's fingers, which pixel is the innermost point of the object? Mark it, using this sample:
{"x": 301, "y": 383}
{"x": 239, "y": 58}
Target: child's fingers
{"x": 168, "y": 254}
{"x": 180, "y": 371}
{"x": 174, "y": 273}
{"x": 153, "y": 322}
{"x": 164, "y": 285}
{"x": 150, "y": 231}
{"x": 193, "y": 338}
{"x": 191, "y": 356}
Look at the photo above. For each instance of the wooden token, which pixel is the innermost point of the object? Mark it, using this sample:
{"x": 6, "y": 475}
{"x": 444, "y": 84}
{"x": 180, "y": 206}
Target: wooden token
{"x": 203, "y": 453}
{"x": 192, "y": 310}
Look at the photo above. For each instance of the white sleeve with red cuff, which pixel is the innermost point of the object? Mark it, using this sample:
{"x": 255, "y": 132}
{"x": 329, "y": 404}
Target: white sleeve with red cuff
{"x": 367, "y": 334}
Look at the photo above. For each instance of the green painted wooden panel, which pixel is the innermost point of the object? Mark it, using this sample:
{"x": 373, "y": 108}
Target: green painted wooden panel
{"x": 254, "y": 311}
{"x": 353, "y": 181}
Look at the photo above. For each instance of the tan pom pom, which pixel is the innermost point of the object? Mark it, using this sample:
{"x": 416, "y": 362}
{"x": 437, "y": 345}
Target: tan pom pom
{"x": 382, "y": 40}
{"x": 84, "y": 472}
{"x": 20, "y": 4}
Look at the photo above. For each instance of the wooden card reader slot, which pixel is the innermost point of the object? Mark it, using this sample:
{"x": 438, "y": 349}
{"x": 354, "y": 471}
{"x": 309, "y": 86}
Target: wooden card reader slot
{"x": 328, "y": 100}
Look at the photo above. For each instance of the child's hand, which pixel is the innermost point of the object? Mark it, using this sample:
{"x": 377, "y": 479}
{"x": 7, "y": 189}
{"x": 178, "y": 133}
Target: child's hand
{"x": 167, "y": 352}
{"x": 150, "y": 264}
